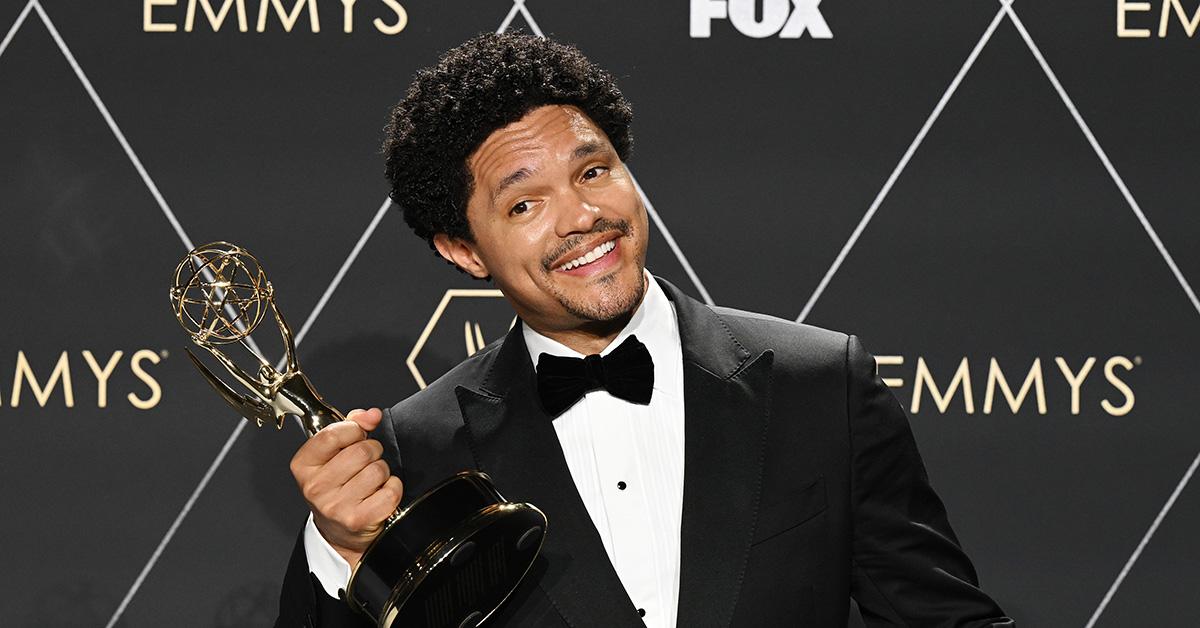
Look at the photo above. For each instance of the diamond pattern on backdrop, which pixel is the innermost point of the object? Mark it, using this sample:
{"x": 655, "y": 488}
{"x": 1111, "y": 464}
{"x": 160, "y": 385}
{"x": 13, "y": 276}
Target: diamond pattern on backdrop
{"x": 247, "y": 543}
{"x": 258, "y": 460}
{"x": 971, "y": 280}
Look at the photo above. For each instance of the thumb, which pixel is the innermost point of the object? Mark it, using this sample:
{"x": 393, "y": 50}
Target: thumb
{"x": 366, "y": 419}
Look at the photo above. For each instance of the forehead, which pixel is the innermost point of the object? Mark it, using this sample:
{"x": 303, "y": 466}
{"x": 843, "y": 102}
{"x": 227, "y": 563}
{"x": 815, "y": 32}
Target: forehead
{"x": 546, "y": 131}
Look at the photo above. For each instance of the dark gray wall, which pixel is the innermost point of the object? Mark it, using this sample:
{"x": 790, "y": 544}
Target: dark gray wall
{"x": 991, "y": 229}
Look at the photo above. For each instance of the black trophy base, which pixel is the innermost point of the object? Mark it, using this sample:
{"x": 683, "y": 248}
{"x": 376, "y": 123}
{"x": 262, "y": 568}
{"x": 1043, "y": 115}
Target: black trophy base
{"x": 450, "y": 559}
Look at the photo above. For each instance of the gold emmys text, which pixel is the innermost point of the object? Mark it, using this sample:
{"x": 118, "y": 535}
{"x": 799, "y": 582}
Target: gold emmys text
{"x": 62, "y": 378}
{"x": 1169, "y": 12}
{"x": 158, "y": 16}
{"x": 924, "y": 382}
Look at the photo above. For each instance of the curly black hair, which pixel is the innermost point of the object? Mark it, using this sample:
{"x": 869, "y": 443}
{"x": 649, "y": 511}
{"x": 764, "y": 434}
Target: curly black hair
{"x": 476, "y": 88}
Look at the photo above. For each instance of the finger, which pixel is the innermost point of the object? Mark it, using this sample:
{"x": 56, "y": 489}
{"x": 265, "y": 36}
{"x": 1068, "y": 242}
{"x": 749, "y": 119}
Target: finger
{"x": 349, "y": 462}
{"x": 365, "y": 482}
{"x": 322, "y": 486}
{"x": 383, "y": 502}
{"x": 327, "y": 443}
{"x": 366, "y": 419}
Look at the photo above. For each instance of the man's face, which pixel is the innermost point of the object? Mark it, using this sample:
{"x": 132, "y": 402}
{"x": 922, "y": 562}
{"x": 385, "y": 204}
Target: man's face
{"x": 557, "y": 221}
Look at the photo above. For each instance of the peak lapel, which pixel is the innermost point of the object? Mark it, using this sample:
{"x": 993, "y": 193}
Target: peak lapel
{"x": 514, "y": 441}
{"x": 727, "y": 393}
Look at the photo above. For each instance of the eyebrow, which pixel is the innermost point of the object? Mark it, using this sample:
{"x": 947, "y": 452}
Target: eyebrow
{"x": 511, "y": 179}
{"x": 585, "y": 149}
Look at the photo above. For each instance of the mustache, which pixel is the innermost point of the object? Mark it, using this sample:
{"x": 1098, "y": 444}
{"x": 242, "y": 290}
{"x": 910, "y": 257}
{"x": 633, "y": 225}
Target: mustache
{"x": 603, "y": 225}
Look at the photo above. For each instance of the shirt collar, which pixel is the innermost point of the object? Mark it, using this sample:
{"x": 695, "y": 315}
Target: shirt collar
{"x": 653, "y": 322}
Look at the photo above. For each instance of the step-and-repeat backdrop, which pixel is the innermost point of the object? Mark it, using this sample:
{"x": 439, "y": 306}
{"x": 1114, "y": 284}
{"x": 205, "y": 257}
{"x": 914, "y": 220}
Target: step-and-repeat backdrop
{"x": 998, "y": 197}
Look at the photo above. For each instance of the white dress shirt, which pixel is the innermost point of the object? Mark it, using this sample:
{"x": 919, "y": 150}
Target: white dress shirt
{"x": 626, "y": 460}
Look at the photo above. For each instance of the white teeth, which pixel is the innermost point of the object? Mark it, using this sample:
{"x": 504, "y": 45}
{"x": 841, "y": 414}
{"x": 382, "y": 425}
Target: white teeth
{"x": 590, "y": 256}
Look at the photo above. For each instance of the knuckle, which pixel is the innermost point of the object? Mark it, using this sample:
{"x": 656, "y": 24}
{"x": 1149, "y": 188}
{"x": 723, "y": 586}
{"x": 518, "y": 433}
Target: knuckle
{"x": 337, "y": 511}
{"x": 307, "y": 453}
{"x": 356, "y": 521}
{"x": 394, "y": 488}
{"x": 312, "y": 492}
{"x": 364, "y": 452}
{"x": 296, "y": 468}
{"x": 318, "y": 486}
{"x": 380, "y": 471}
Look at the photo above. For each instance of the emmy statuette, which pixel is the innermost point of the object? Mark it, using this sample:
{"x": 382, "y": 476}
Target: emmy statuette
{"x": 448, "y": 559}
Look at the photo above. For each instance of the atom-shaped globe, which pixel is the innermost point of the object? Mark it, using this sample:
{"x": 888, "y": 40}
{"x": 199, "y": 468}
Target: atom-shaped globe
{"x": 220, "y": 293}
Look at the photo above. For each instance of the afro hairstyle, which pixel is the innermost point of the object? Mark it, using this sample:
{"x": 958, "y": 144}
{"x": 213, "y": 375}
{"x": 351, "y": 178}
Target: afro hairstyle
{"x": 482, "y": 85}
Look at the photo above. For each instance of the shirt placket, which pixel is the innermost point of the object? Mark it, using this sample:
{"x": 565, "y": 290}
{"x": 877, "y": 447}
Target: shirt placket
{"x": 624, "y": 494}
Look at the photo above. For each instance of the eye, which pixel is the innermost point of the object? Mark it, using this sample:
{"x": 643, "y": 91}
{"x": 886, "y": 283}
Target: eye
{"x": 594, "y": 172}
{"x": 519, "y": 208}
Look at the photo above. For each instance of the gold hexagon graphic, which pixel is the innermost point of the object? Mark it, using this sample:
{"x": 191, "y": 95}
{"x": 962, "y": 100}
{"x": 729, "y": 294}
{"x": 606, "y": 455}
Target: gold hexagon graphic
{"x": 472, "y": 335}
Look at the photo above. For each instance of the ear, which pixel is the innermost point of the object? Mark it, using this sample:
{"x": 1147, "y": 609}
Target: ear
{"x": 460, "y": 253}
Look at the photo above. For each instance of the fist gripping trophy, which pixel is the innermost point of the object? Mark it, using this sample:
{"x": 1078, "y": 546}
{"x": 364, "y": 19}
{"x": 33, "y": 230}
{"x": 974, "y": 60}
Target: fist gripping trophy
{"x": 448, "y": 559}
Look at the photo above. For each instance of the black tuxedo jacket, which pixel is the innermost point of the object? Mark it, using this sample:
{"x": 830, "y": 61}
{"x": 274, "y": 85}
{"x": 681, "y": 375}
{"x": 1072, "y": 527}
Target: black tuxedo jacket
{"x": 802, "y": 487}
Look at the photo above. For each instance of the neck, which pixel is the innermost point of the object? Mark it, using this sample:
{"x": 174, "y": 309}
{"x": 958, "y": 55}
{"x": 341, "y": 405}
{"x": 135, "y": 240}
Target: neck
{"x": 591, "y": 337}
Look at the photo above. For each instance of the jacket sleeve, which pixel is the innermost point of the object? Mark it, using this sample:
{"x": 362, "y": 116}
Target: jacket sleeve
{"x": 907, "y": 566}
{"x": 303, "y": 602}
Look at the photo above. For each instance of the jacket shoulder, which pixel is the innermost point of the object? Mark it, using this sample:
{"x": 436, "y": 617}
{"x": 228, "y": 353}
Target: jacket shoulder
{"x": 433, "y": 413}
{"x": 793, "y": 343}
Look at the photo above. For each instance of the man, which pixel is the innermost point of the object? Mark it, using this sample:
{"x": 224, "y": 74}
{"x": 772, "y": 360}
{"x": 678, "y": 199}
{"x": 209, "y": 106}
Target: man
{"x": 758, "y": 474}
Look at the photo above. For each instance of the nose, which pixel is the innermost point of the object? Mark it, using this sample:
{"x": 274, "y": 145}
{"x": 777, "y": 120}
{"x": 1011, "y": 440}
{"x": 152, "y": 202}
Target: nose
{"x": 577, "y": 215}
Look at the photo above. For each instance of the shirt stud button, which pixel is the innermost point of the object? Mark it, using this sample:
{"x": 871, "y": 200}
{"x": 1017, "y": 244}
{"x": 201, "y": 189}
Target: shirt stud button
{"x": 641, "y": 612}
{"x": 621, "y": 485}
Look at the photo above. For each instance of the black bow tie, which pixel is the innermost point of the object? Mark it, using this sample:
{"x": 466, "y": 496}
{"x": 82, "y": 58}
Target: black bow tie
{"x": 627, "y": 372}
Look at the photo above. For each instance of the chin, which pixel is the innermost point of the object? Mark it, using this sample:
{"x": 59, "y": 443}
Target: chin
{"x": 608, "y": 298}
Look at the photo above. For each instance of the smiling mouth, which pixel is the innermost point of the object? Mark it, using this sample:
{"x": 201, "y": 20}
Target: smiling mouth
{"x": 602, "y": 249}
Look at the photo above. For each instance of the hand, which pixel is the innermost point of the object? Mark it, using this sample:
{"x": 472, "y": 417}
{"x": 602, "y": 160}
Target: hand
{"x": 347, "y": 485}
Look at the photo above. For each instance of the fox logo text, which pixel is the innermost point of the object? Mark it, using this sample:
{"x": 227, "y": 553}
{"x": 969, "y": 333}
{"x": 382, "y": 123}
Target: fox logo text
{"x": 761, "y": 18}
